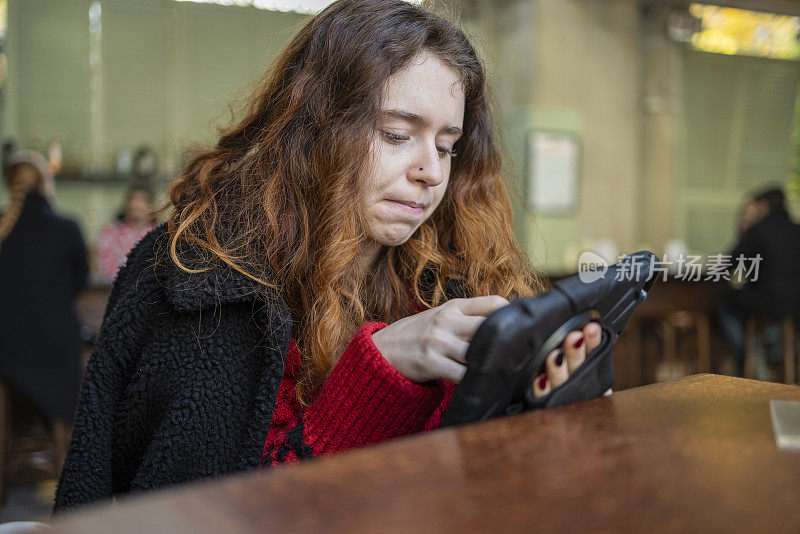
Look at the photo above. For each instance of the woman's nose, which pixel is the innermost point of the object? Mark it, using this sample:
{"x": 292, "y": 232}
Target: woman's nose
{"x": 429, "y": 169}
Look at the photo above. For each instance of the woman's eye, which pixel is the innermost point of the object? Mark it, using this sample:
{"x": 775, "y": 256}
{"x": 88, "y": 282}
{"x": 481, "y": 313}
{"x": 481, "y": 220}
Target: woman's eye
{"x": 397, "y": 138}
{"x": 394, "y": 138}
{"x": 443, "y": 150}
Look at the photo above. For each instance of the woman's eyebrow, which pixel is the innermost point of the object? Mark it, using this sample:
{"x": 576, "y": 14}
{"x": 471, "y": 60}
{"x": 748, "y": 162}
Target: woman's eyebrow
{"x": 413, "y": 118}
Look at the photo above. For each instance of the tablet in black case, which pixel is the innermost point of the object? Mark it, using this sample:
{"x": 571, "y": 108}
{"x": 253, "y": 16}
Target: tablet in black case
{"x": 511, "y": 345}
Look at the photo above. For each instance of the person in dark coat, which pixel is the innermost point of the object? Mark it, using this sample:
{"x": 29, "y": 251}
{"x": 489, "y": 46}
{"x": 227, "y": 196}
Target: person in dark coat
{"x": 43, "y": 267}
{"x": 776, "y": 239}
{"x": 322, "y": 270}
{"x": 769, "y": 249}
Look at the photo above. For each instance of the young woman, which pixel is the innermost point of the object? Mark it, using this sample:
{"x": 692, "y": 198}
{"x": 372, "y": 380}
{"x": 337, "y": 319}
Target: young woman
{"x": 322, "y": 271}
{"x": 118, "y": 237}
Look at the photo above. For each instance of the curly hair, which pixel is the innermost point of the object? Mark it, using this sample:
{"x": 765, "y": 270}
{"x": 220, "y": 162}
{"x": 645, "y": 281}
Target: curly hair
{"x": 274, "y": 198}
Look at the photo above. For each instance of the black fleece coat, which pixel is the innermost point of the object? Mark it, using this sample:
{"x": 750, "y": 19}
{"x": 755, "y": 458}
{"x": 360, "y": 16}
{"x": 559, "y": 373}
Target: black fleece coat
{"x": 776, "y": 292}
{"x": 43, "y": 267}
{"x": 182, "y": 382}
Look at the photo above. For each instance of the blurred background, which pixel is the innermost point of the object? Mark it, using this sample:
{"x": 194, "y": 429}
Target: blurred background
{"x": 677, "y": 109}
{"x": 628, "y": 124}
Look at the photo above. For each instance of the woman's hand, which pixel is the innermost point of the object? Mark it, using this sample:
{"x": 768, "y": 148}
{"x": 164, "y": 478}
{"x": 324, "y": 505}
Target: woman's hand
{"x": 433, "y": 344}
{"x": 564, "y": 361}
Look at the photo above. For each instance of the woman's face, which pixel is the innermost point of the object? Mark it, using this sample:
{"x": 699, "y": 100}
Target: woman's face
{"x": 422, "y": 118}
{"x": 138, "y": 209}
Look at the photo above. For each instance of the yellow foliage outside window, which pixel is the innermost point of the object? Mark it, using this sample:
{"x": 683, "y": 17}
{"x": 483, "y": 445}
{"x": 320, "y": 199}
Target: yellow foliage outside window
{"x": 727, "y": 30}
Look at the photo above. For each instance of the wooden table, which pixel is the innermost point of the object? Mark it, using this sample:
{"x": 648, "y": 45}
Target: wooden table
{"x": 697, "y": 454}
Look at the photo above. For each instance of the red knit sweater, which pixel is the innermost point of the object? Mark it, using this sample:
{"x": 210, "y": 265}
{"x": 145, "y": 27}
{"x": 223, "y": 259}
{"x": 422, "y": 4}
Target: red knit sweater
{"x": 364, "y": 400}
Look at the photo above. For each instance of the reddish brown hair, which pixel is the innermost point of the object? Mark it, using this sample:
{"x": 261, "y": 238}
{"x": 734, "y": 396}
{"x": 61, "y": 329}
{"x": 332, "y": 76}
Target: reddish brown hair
{"x": 275, "y": 198}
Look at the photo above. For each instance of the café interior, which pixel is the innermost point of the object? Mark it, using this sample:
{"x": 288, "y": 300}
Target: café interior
{"x": 670, "y": 126}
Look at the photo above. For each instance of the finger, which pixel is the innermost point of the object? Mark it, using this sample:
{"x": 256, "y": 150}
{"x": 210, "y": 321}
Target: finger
{"x": 556, "y": 370}
{"x": 592, "y": 333}
{"x": 448, "y": 369}
{"x": 480, "y": 306}
{"x": 574, "y": 350}
{"x": 454, "y": 348}
{"x": 541, "y": 386}
{"x": 465, "y": 326}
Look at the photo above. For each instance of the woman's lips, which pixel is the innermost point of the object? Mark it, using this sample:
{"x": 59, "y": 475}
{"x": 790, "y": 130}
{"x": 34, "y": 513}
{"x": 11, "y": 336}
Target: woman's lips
{"x": 407, "y": 206}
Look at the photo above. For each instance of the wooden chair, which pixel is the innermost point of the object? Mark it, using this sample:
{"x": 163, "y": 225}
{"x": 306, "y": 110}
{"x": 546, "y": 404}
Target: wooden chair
{"x": 672, "y": 326}
{"x": 753, "y": 326}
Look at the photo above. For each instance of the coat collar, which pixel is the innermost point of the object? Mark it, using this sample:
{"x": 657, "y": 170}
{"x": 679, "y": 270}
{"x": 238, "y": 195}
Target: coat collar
{"x": 36, "y": 202}
{"x": 192, "y": 291}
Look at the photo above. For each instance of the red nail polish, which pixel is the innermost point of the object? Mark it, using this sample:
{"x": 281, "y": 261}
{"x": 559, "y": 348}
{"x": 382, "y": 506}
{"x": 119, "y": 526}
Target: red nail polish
{"x": 542, "y": 381}
{"x": 578, "y": 344}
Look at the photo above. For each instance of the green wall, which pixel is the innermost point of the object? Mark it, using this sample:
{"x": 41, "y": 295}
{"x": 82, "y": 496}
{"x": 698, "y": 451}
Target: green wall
{"x": 167, "y": 72}
{"x": 736, "y": 138}
{"x": 671, "y": 139}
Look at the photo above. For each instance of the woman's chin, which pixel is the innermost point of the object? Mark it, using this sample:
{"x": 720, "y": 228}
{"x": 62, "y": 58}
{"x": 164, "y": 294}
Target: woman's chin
{"x": 394, "y": 236}
{"x": 395, "y": 242}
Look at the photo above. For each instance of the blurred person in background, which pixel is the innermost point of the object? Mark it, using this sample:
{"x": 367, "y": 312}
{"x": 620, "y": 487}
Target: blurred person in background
{"x": 43, "y": 267}
{"x": 749, "y": 214}
{"x": 118, "y": 237}
{"x": 323, "y": 269}
{"x": 766, "y": 230}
